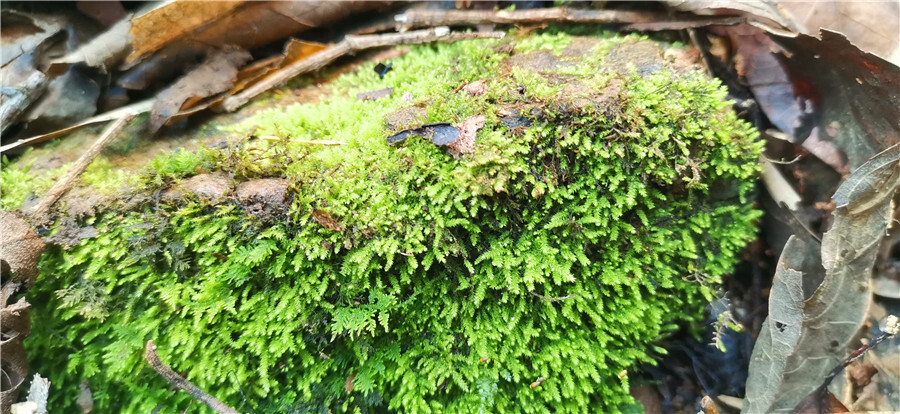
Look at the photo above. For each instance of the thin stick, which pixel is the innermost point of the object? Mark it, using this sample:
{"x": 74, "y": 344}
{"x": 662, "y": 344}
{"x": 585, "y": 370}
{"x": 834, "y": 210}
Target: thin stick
{"x": 68, "y": 179}
{"x": 170, "y": 375}
{"x": 347, "y": 46}
{"x": 641, "y": 19}
{"x": 138, "y": 108}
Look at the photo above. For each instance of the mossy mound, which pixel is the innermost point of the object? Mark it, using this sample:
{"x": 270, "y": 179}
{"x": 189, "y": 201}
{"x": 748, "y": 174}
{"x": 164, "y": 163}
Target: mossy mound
{"x": 598, "y": 205}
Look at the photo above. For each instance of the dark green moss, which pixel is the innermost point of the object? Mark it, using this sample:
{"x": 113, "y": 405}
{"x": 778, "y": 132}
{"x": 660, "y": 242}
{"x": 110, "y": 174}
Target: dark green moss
{"x": 560, "y": 250}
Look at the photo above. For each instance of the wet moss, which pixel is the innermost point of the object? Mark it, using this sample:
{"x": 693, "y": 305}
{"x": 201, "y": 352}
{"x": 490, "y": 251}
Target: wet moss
{"x": 580, "y": 229}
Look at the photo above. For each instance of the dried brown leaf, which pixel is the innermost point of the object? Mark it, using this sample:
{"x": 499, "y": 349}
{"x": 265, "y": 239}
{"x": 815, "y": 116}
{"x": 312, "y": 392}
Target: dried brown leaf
{"x": 767, "y": 11}
{"x": 216, "y": 75}
{"x": 324, "y": 219}
{"x": 173, "y": 21}
{"x": 809, "y": 327}
{"x": 871, "y": 26}
{"x": 294, "y": 51}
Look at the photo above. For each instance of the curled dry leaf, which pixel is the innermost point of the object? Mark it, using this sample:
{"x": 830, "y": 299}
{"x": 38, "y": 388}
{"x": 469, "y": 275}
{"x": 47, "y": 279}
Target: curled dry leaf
{"x": 809, "y": 327}
{"x": 767, "y": 11}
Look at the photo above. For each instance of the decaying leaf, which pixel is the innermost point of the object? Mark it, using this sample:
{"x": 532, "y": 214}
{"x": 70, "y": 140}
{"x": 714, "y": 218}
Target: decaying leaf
{"x": 465, "y": 144}
{"x": 852, "y": 96}
{"x": 324, "y": 219}
{"x": 809, "y": 327}
{"x": 880, "y": 172}
{"x": 376, "y": 94}
{"x": 16, "y": 326}
{"x": 20, "y": 249}
{"x": 871, "y": 26}
{"x": 767, "y": 11}
{"x": 439, "y": 133}
{"x": 216, "y": 75}
{"x": 172, "y": 21}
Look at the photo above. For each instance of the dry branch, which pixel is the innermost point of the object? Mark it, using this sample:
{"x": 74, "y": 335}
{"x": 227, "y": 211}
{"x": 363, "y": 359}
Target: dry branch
{"x": 638, "y": 20}
{"x": 347, "y": 46}
{"x": 170, "y": 375}
{"x": 68, "y": 179}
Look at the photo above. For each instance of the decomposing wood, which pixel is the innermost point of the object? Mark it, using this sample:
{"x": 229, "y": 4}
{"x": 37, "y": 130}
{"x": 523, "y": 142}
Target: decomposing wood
{"x": 178, "y": 381}
{"x": 637, "y": 20}
{"x": 347, "y": 46}
{"x": 16, "y": 103}
{"x": 708, "y": 405}
{"x": 66, "y": 182}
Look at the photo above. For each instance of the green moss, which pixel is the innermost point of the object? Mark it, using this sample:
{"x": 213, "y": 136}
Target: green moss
{"x": 553, "y": 41}
{"x": 560, "y": 250}
{"x": 17, "y": 184}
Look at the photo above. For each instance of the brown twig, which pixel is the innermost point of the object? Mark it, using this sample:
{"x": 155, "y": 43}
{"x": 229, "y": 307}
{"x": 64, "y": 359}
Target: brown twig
{"x": 170, "y": 375}
{"x": 818, "y": 399}
{"x": 347, "y": 46}
{"x": 66, "y": 182}
{"x": 637, "y": 20}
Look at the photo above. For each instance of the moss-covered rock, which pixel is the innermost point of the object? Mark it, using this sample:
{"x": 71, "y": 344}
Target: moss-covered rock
{"x": 595, "y": 210}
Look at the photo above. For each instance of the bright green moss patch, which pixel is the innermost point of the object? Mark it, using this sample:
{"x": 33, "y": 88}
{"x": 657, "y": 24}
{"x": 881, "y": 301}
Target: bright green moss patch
{"x": 17, "y": 183}
{"x": 587, "y": 221}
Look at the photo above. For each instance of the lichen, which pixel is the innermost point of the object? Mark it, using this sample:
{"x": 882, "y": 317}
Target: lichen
{"x": 581, "y": 229}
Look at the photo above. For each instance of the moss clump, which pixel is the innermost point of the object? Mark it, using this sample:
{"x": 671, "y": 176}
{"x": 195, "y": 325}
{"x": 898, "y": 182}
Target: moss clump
{"x": 590, "y": 218}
